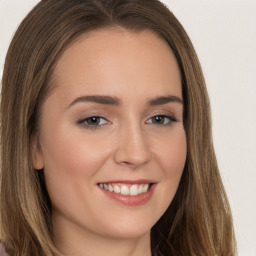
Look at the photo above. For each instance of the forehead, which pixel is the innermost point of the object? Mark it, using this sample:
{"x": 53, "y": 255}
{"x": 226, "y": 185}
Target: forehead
{"x": 118, "y": 61}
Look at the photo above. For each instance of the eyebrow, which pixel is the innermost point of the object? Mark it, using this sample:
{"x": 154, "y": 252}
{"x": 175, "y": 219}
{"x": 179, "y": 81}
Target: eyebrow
{"x": 164, "y": 100}
{"x": 110, "y": 100}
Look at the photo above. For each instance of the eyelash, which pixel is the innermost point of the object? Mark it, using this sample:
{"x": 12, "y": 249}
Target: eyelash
{"x": 84, "y": 122}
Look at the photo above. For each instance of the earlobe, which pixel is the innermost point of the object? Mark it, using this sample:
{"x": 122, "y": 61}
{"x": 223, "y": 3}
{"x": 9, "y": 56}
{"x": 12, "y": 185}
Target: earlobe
{"x": 36, "y": 154}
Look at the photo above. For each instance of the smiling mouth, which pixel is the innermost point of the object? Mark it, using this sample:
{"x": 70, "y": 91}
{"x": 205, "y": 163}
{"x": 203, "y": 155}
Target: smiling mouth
{"x": 126, "y": 189}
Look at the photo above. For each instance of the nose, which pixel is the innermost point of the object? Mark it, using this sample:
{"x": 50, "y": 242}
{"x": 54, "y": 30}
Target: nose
{"x": 132, "y": 149}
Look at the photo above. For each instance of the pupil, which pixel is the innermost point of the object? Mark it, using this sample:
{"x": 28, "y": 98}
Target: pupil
{"x": 158, "y": 119}
{"x": 93, "y": 120}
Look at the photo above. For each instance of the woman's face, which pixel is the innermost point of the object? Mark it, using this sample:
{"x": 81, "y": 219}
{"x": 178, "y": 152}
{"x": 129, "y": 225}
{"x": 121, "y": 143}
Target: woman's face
{"x": 113, "y": 122}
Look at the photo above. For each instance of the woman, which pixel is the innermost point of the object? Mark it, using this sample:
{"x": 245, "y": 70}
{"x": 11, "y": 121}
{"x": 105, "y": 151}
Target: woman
{"x": 106, "y": 136}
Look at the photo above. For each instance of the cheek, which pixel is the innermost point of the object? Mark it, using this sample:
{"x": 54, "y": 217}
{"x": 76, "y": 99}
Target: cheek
{"x": 175, "y": 156}
{"x": 172, "y": 157}
{"x": 69, "y": 159}
{"x": 72, "y": 152}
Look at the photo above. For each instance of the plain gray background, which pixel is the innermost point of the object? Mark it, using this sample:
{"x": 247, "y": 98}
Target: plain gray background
{"x": 224, "y": 35}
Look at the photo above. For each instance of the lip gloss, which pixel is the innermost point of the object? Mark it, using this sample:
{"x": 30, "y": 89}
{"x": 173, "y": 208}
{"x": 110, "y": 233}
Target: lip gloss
{"x": 131, "y": 200}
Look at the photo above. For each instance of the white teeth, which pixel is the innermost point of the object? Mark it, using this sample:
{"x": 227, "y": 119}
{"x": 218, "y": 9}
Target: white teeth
{"x": 117, "y": 189}
{"x": 110, "y": 188}
{"x": 140, "y": 189}
{"x": 125, "y": 190}
{"x": 145, "y": 188}
{"x": 132, "y": 190}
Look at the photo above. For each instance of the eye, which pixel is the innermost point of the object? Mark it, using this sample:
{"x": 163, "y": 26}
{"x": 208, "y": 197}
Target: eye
{"x": 93, "y": 122}
{"x": 161, "y": 120}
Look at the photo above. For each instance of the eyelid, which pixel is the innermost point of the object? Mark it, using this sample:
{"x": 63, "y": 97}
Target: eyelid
{"x": 171, "y": 119}
{"x": 83, "y": 123}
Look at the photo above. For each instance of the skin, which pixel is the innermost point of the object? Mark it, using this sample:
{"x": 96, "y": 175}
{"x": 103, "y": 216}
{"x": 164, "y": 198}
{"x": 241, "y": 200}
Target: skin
{"x": 129, "y": 144}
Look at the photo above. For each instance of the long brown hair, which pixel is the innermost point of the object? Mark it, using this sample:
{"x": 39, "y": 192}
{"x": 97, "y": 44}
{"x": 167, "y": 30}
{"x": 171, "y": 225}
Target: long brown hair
{"x": 198, "y": 221}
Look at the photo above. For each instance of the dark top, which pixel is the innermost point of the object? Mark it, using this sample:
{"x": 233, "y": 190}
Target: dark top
{"x": 2, "y": 251}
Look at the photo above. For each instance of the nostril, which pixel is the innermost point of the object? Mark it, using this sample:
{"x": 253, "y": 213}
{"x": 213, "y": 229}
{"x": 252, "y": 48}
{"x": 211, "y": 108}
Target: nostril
{"x": 126, "y": 162}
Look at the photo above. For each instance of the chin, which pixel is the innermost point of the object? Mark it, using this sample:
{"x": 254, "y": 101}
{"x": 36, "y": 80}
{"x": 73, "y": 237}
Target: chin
{"x": 128, "y": 233}
{"x": 128, "y": 227}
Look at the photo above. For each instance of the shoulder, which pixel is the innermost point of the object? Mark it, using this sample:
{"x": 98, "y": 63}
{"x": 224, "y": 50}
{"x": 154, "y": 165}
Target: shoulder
{"x": 2, "y": 250}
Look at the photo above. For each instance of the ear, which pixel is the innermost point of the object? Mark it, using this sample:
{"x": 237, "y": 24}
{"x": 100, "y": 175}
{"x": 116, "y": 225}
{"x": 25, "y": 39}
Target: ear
{"x": 36, "y": 154}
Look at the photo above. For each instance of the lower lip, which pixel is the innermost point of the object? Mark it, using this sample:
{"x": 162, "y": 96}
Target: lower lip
{"x": 131, "y": 200}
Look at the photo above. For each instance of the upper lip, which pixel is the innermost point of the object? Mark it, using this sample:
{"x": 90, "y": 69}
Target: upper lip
{"x": 139, "y": 181}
